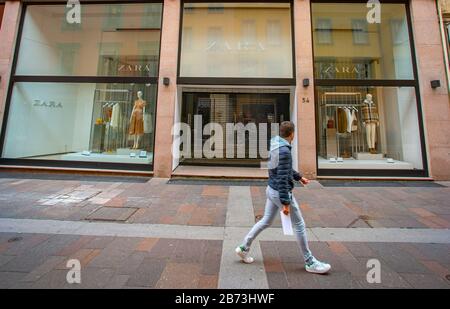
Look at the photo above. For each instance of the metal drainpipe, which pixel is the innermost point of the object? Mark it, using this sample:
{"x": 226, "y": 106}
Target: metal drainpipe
{"x": 444, "y": 43}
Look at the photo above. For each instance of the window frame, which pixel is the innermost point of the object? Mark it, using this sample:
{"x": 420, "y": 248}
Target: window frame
{"x": 414, "y": 83}
{"x": 2, "y": 5}
{"x": 73, "y": 79}
{"x": 246, "y": 81}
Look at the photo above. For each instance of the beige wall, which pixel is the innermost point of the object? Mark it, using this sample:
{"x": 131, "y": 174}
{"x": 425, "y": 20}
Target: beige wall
{"x": 7, "y": 38}
{"x": 165, "y": 108}
{"x": 435, "y": 102}
{"x": 306, "y": 121}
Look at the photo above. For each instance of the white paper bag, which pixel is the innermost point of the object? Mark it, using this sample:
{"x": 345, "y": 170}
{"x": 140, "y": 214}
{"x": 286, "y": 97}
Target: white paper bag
{"x": 287, "y": 224}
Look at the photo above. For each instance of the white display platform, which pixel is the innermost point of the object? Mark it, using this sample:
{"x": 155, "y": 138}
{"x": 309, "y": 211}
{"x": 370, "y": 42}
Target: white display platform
{"x": 113, "y": 158}
{"x": 365, "y": 164}
{"x": 127, "y": 151}
{"x": 369, "y": 156}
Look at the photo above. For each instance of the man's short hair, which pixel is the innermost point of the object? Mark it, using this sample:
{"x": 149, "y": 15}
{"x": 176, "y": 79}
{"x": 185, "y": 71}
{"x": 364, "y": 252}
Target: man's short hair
{"x": 286, "y": 128}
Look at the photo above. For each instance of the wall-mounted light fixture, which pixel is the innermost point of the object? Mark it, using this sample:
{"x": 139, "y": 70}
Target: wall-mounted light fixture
{"x": 435, "y": 84}
{"x": 306, "y": 82}
{"x": 166, "y": 81}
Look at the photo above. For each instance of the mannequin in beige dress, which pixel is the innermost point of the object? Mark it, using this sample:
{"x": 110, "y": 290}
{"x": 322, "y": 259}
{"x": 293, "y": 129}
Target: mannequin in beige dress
{"x": 137, "y": 120}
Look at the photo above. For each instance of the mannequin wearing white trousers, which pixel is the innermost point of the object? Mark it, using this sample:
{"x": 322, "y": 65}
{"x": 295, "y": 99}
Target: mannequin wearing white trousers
{"x": 371, "y": 121}
{"x": 371, "y": 134}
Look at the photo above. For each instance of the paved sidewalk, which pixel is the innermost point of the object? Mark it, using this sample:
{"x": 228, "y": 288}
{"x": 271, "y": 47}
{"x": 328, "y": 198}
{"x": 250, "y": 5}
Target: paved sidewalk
{"x": 140, "y": 233}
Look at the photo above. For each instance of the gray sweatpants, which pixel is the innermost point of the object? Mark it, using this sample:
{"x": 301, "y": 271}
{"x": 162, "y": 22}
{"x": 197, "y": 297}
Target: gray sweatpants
{"x": 274, "y": 206}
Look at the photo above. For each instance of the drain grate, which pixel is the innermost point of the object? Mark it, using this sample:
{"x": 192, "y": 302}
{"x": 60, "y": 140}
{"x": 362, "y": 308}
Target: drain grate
{"x": 112, "y": 214}
{"x": 15, "y": 239}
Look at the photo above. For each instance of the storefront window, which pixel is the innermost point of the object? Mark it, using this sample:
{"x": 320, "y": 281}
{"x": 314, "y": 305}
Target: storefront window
{"x": 81, "y": 122}
{"x": 368, "y": 128}
{"x": 346, "y": 46}
{"x": 255, "y": 110}
{"x": 112, "y": 40}
{"x": 233, "y": 40}
{"x": 85, "y": 92}
{"x": 367, "y": 109}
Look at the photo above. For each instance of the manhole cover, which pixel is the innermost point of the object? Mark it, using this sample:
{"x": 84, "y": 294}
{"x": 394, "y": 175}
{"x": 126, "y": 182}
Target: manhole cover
{"x": 112, "y": 214}
{"x": 14, "y": 239}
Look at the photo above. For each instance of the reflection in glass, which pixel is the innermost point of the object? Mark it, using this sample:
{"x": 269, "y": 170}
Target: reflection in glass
{"x": 112, "y": 40}
{"x": 346, "y": 46}
{"x": 81, "y": 122}
{"x": 368, "y": 128}
{"x": 253, "y": 109}
{"x": 236, "y": 40}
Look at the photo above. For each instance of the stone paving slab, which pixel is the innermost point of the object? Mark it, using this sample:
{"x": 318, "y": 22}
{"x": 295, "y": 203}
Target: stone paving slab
{"x": 109, "y": 229}
{"x": 126, "y": 262}
{"x": 375, "y": 207}
{"x": 335, "y": 207}
{"x": 393, "y": 235}
{"x": 121, "y": 263}
{"x": 183, "y": 234}
{"x": 349, "y": 269}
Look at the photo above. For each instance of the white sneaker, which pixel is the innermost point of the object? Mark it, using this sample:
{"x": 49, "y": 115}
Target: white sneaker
{"x": 317, "y": 267}
{"x": 244, "y": 255}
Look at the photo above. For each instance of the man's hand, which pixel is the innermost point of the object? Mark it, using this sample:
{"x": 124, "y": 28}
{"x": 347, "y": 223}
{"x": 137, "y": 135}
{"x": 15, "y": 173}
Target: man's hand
{"x": 304, "y": 180}
{"x": 286, "y": 209}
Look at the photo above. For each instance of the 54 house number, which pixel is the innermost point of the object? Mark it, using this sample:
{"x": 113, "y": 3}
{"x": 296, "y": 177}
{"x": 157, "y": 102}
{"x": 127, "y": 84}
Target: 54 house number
{"x": 305, "y": 100}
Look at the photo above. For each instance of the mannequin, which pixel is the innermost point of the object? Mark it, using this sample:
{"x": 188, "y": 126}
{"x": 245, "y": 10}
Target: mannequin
{"x": 371, "y": 121}
{"x": 137, "y": 120}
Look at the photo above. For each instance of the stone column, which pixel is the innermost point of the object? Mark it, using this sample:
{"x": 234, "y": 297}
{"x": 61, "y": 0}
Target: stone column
{"x": 435, "y": 102}
{"x": 306, "y": 122}
{"x": 166, "y": 94}
{"x": 8, "y": 33}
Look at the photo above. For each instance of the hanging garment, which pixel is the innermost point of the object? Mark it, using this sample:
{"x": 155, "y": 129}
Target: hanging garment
{"x": 115, "y": 118}
{"x": 354, "y": 122}
{"x": 342, "y": 121}
{"x": 107, "y": 113}
{"x": 348, "y": 114}
{"x": 148, "y": 122}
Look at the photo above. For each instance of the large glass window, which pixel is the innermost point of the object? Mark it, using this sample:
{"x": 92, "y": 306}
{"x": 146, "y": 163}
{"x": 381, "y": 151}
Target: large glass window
{"x": 346, "y": 46}
{"x": 232, "y": 40}
{"x": 85, "y": 92}
{"x": 255, "y": 111}
{"x": 81, "y": 122}
{"x": 367, "y": 108}
{"x": 112, "y": 40}
{"x": 368, "y": 128}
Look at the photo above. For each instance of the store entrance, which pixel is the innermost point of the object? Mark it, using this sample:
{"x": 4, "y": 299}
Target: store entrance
{"x": 252, "y": 110}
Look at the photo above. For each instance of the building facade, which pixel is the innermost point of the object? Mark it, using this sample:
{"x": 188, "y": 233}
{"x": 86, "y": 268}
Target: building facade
{"x": 366, "y": 88}
{"x": 444, "y": 21}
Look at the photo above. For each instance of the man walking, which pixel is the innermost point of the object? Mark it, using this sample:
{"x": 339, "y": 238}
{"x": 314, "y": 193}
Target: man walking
{"x": 280, "y": 197}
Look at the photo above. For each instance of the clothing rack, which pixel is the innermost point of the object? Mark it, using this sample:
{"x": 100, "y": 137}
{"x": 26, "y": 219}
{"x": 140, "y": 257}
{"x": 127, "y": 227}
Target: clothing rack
{"x": 106, "y": 98}
{"x": 345, "y": 100}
